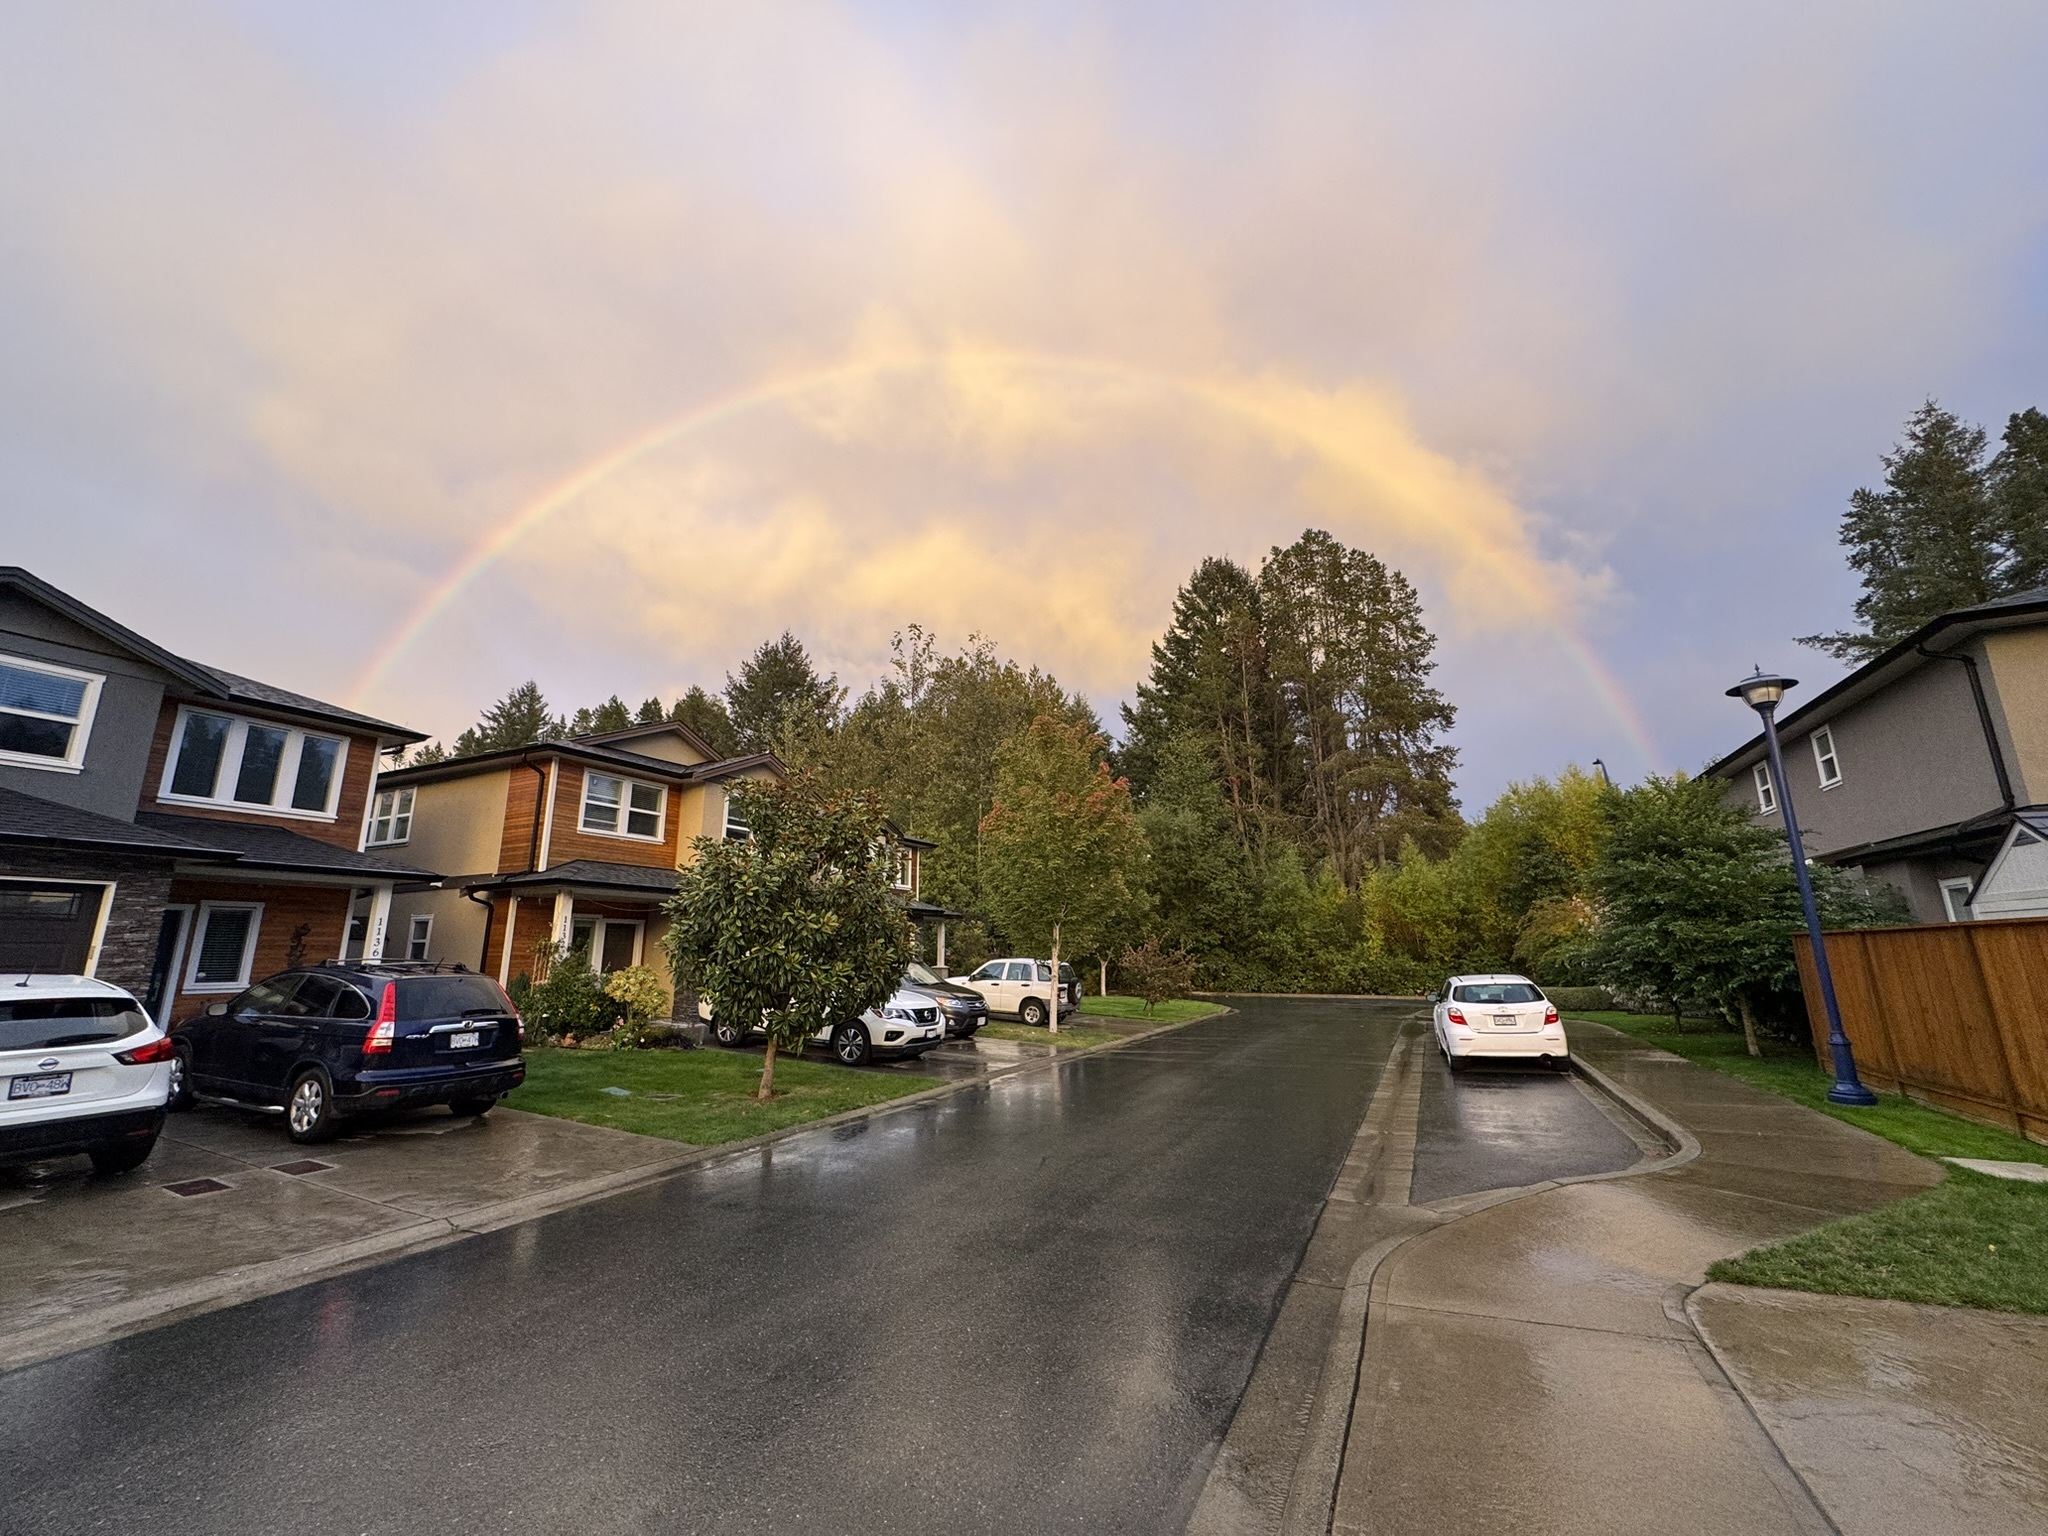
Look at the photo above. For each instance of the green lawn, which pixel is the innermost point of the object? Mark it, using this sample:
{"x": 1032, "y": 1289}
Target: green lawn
{"x": 1177, "y": 1010}
{"x": 1072, "y": 1037}
{"x": 705, "y": 1097}
{"x": 1972, "y": 1241}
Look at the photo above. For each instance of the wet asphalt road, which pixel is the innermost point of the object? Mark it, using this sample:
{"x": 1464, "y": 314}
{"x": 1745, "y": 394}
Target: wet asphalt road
{"x": 1505, "y": 1124}
{"x": 1030, "y": 1307}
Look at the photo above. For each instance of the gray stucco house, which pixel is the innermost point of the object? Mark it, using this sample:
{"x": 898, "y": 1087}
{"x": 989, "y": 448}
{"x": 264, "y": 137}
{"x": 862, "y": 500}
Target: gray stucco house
{"x": 1927, "y": 767}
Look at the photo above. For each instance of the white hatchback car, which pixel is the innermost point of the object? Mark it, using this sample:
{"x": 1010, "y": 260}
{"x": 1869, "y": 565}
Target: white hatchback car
{"x": 1497, "y": 1017}
{"x": 82, "y": 1069}
{"x": 908, "y": 1025}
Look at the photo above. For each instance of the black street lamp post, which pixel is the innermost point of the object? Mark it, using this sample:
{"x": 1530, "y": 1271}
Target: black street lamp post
{"x": 1762, "y": 694}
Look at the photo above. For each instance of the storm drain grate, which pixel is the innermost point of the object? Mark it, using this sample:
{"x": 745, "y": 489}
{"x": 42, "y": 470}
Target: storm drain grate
{"x": 303, "y": 1165}
{"x": 197, "y": 1187}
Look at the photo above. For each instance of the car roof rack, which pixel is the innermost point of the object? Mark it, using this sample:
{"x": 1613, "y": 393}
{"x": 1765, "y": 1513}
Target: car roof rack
{"x": 402, "y": 967}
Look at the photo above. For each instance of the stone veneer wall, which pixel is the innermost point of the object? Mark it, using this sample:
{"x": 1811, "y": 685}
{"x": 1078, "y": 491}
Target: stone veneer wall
{"x": 142, "y": 888}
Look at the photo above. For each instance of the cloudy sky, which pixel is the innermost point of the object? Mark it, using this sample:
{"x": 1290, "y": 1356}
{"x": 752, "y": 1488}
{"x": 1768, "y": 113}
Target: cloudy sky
{"x": 397, "y": 351}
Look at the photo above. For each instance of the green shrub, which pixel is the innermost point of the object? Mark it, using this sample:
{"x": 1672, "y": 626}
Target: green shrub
{"x": 572, "y": 1001}
{"x": 1581, "y": 999}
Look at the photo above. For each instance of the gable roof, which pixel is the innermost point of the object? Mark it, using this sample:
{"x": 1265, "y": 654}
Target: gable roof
{"x": 586, "y": 750}
{"x": 2019, "y": 611}
{"x": 631, "y": 733}
{"x": 207, "y": 682}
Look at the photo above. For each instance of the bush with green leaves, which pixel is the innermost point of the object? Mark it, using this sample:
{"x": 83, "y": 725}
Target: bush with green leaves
{"x": 572, "y": 1001}
{"x": 1157, "y": 973}
{"x": 638, "y": 992}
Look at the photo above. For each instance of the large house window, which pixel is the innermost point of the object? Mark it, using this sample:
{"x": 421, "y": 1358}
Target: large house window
{"x": 45, "y": 714}
{"x": 224, "y": 947}
{"x": 391, "y": 816}
{"x": 1766, "y": 796}
{"x": 252, "y": 764}
{"x": 622, "y": 807}
{"x": 735, "y": 821}
{"x": 1824, "y": 758}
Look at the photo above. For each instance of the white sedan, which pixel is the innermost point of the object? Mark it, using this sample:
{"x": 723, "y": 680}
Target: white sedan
{"x": 1504, "y": 1017}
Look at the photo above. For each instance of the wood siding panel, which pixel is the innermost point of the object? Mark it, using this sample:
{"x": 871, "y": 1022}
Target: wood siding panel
{"x": 323, "y": 909}
{"x": 520, "y": 845}
{"x": 569, "y": 842}
{"x": 1953, "y": 1013}
{"x": 345, "y": 831}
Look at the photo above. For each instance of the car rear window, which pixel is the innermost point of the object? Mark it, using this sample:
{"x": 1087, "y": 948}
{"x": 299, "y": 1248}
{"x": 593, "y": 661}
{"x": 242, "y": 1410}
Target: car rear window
{"x": 447, "y": 997}
{"x": 40, "y": 1023}
{"x": 1498, "y": 992}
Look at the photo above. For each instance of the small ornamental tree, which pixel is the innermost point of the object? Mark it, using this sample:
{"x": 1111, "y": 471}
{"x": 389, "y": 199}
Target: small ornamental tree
{"x": 1062, "y": 854}
{"x": 795, "y": 925}
{"x": 1156, "y": 973}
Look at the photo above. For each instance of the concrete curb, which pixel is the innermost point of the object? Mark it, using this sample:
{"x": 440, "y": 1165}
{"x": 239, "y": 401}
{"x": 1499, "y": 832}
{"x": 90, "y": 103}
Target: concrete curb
{"x": 251, "y": 1282}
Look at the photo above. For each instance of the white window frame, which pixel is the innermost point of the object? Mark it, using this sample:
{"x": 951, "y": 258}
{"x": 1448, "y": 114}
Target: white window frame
{"x": 1955, "y": 899}
{"x": 1822, "y": 758}
{"x": 405, "y": 793}
{"x": 223, "y": 797}
{"x": 903, "y": 869}
{"x": 197, "y": 943}
{"x": 625, "y": 808}
{"x": 419, "y": 934}
{"x": 1766, "y": 792}
{"x": 736, "y": 831}
{"x": 72, "y": 761}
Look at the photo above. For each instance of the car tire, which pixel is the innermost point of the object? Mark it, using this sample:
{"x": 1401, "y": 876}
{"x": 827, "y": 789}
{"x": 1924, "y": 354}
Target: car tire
{"x": 124, "y": 1158}
{"x": 1455, "y": 1063}
{"x": 467, "y": 1109}
{"x": 1032, "y": 1012}
{"x": 309, "y": 1109}
{"x": 181, "y": 1080}
{"x": 727, "y": 1034}
{"x": 850, "y": 1045}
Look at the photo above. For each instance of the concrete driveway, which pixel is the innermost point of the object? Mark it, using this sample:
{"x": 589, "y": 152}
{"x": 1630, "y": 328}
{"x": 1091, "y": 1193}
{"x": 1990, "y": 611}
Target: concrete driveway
{"x": 228, "y": 1208}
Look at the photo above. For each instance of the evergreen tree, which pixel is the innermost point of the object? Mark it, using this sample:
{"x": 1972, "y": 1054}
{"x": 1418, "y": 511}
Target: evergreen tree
{"x": 519, "y": 719}
{"x": 427, "y": 752}
{"x": 650, "y": 712}
{"x": 779, "y": 702}
{"x": 704, "y": 713}
{"x": 1926, "y": 544}
{"x": 611, "y": 715}
{"x": 1203, "y": 887}
{"x": 1351, "y": 659}
{"x": 2019, "y": 489}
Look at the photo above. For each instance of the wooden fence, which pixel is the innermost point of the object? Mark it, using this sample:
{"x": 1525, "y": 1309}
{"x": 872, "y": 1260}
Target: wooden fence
{"x": 1954, "y": 1013}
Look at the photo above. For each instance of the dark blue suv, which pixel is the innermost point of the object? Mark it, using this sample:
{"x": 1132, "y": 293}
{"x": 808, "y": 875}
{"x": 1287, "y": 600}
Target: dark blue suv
{"x": 347, "y": 1039}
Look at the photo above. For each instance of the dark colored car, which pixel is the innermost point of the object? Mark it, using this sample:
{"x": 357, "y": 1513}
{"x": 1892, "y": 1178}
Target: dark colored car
{"x": 962, "y": 1007}
{"x": 339, "y": 1040}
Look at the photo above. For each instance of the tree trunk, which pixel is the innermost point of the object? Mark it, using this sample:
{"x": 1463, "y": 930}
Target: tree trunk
{"x": 1748, "y": 1024}
{"x": 1052, "y": 1021}
{"x": 767, "y": 1090}
{"x": 1105, "y": 976}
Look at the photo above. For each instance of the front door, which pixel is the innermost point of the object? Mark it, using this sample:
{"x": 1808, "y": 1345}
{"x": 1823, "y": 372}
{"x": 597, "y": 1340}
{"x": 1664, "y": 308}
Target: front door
{"x": 621, "y": 945}
{"x": 171, "y": 935}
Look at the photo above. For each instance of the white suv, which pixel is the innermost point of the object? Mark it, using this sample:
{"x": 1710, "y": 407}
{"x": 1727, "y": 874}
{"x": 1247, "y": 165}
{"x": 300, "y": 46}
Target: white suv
{"x": 82, "y": 1069}
{"x": 908, "y": 1025}
{"x": 1023, "y": 988}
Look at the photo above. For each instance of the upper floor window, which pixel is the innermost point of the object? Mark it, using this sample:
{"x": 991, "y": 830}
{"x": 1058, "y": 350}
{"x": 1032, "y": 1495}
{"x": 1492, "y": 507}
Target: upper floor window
{"x": 391, "y": 817}
{"x": 735, "y": 820}
{"x": 622, "y": 807}
{"x": 1766, "y": 796}
{"x": 45, "y": 714}
{"x": 1824, "y": 758}
{"x": 419, "y": 937}
{"x": 253, "y": 765}
{"x": 903, "y": 868}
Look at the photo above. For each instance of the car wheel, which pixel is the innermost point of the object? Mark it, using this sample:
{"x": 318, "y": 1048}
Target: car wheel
{"x": 309, "y": 1109}
{"x": 726, "y": 1033}
{"x": 181, "y": 1080}
{"x": 1455, "y": 1063}
{"x": 465, "y": 1109}
{"x": 122, "y": 1159}
{"x": 1031, "y": 1011}
{"x": 850, "y": 1045}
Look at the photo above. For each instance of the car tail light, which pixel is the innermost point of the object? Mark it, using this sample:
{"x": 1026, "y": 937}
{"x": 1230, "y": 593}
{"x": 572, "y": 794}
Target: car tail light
{"x": 517, "y": 1022}
{"x": 1550, "y": 1014}
{"x": 143, "y": 1055}
{"x": 386, "y": 1030}
{"x": 1454, "y": 1015}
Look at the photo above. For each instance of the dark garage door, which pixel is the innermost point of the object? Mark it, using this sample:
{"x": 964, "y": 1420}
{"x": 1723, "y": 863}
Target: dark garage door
{"x": 45, "y": 926}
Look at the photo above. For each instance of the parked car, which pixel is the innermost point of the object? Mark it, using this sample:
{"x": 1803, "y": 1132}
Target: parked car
{"x": 85, "y": 1070}
{"x": 961, "y": 1007}
{"x": 1022, "y": 989}
{"x": 1497, "y": 1017}
{"x": 339, "y": 1040}
{"x": 906, "y": 1026}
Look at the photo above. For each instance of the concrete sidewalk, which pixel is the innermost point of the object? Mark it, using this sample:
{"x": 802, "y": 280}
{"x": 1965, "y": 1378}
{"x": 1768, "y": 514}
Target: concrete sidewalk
{"x": 1544, "y": 1362}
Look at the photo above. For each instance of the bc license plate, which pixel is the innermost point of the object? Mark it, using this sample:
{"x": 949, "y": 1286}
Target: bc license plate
{"x": 47, "y": 1085}
{"x": 465, "y": 1041}
{"x": 1504, "y": 1021}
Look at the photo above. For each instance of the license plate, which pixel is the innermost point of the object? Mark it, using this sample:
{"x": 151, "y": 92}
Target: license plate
{"x": 1504, "y": 1021}
{"x": 47, "y": 1085}
{"x": 466, "y": 1041}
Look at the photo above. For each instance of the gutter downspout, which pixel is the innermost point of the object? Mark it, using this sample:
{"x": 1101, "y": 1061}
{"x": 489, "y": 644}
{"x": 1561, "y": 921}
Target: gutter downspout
{"x": 1969, "y": 662}
{"x": 540, "y": 790}
{"x": 483, "y": 959}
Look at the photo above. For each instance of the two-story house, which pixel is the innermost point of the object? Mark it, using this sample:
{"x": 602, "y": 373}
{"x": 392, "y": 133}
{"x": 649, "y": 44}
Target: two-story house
{"x": 570, "y": 843}
{"x": 173, "y": 828}
{"x": 1926, "y": 767}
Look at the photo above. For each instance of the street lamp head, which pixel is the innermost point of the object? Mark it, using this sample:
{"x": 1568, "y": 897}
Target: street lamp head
{"x": 1761, "y": 691}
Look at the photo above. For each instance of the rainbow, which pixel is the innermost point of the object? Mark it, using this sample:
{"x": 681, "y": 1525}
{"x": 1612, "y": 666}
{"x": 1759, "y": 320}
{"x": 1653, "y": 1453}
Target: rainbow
{"x": 1290, "y": 417}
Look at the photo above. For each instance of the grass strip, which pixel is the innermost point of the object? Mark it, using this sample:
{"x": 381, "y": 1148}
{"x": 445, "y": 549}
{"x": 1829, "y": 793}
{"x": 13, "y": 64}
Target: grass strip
{"x": 1972, "y": 1241}
{"x": 1177, "y": 1010}
{"x": 1072, "y": 1037}
{"x": 702, "y": 1097}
